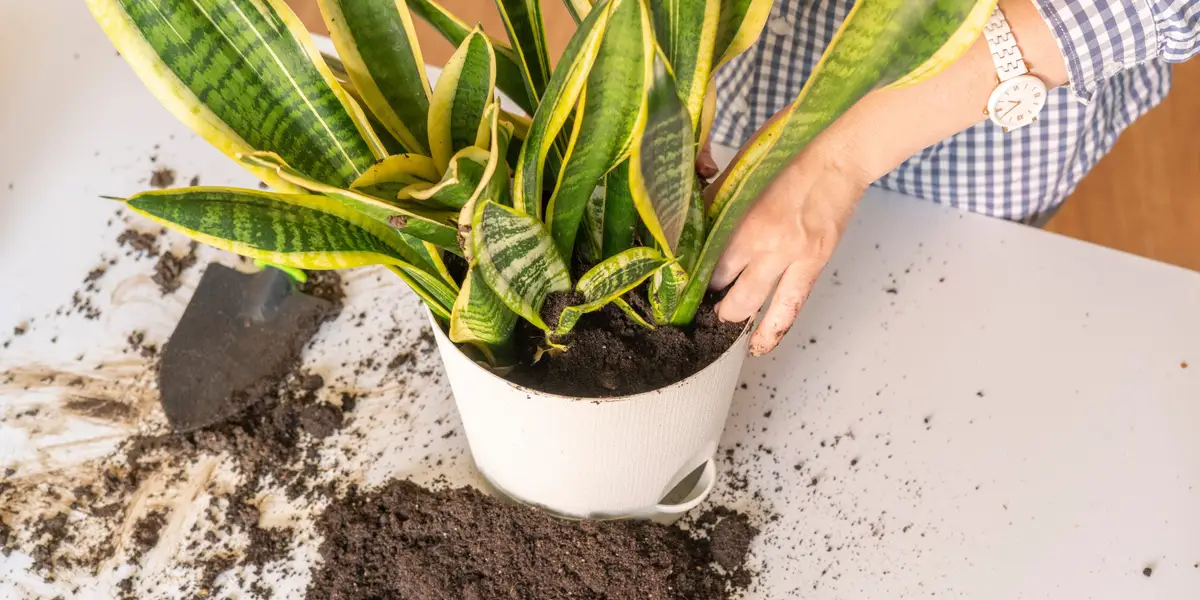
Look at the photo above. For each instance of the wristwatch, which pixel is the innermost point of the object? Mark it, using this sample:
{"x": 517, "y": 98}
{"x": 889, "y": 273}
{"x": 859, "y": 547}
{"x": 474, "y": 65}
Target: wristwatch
{"x": 1019, "y": 95}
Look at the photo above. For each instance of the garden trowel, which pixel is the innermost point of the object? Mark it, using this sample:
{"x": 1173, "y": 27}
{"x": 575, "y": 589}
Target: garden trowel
{"x": 238, "y": 336}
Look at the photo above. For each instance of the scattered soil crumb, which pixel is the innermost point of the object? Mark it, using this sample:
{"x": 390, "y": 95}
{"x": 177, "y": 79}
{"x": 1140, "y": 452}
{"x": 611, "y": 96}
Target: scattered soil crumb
{"x": 326, "y": 285}
{"x": 195, "y": 181}
{"x": 139, "y": 243}
{"x": 169, "y": 267}
{"x": 405, "y": 541}
{"x": 162, "y": 177}
{"x": 1147, "y": 571}
{"x": 145, "y": 532}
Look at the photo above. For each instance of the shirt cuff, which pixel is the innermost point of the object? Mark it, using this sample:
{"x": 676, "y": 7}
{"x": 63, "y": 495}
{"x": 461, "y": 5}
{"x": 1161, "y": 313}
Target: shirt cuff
{"x": 1100, "y": 38}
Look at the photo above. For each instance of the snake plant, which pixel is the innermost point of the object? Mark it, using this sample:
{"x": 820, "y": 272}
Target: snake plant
{"x": 370, "y": 164}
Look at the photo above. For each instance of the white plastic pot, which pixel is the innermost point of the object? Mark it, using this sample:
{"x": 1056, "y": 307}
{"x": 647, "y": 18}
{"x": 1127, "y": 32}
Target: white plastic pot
{"x": 620, "y": 457}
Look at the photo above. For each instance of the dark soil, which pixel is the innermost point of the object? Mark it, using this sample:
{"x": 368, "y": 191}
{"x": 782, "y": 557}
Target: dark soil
{"x": 162, "y": 177}
{"x": 610, "y": 355}
{"x": 139, "y": 243}
{"x": 405, "y": 541}
{"x": 326, "y": 285}
{"x": 145, "y": 531}
{"x": 169, "y": 267}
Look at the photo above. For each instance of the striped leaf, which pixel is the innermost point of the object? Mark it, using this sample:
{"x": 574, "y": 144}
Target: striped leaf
{"x": 631, "y": 313}
{"x": 579, "y": 9}
{"x": 432, "y": 300}
{"x": 880, "y": 43}
{"x": 609, "y": 280}
{"x": 463, "y": 91}
{"x": 523, "y": 22}
{"x": 691, "y": 240}
{"x": 740, "y": 24}
{"x": 590, "y": 247}
{"x": 378, "y": 47}
{"x": 620, "y": 214}
{"x": 493, "y": 183}
{"x": 457, "y": 185}
{"x": 557, "y": 104}
{"x": 431, "y": 226}
{"x": 479, "y": 317}
{"x": 245, "y": 76}
{"x": 387, "y": 177}
{"x": 605, "y": 120}
{"x": 517, "y": 259}
{"x": 686, "y": 31}
{"x": 509, "y": 76}
{"x": 662, "y": 171}
{"x": 666, "y": 290}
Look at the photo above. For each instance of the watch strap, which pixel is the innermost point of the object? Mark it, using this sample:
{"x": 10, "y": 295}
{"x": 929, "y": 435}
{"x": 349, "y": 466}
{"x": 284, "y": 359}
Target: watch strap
{"x": 1003, "y": 45}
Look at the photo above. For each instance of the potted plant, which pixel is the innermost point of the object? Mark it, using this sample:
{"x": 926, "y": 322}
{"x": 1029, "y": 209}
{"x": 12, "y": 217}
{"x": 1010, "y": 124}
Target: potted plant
{"x": 515, "y": 231}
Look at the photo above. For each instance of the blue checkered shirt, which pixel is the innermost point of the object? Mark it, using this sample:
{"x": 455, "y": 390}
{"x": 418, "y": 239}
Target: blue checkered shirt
{"x": 1117, "y": 54}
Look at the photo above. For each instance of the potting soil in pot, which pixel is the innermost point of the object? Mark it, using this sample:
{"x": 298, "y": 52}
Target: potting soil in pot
{"x": 611, "y": 355}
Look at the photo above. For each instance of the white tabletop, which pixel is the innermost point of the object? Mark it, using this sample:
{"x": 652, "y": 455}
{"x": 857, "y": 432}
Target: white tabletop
{"x": 1014, "y": 403}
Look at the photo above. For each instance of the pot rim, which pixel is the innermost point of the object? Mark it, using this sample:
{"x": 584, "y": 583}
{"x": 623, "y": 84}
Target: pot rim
{"x": 737, "y": 342}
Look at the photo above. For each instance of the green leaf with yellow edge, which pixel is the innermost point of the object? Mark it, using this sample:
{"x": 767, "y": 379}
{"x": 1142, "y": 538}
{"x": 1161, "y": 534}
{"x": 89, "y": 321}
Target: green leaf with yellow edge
{"x": 509, "y": 75}
{"x": 516, "y": 256}
{"x": 880, "y": 43}
{"x": 610, "y": 280}
{"x": 620, "y": 214}
{"x": 605, "y": 121}
{"x": 590, "y": 245}
{"x": 479, "y": 317}
{"x": 633, "y": 315}
{"x": 666, "y": 290}
{"x": 494, "y": 183}
{"x": 691, "y": 239}
{"x": 213, "y": 63}
{"x": 387, "y": 177}
{"x": 739, "y": 25}
{"x": 463, "y": 91}
{"x": 289, "y": 230}
{"x": 527, "y": 33}
{"x": 578, "y": 9}
{"x": 686, "y": 30}
{"x": 378, "y": 46}
{"x": 556, "y": 106}
{"x": 662, "y": 170}
{"x": 431, "y": 300}
{"x": 458, "y": 184}
{"x": 431, "y": 226}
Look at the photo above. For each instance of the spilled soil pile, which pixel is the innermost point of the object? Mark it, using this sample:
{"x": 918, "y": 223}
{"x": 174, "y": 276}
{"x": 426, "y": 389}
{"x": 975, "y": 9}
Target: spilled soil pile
{"x": 405, "y": 541}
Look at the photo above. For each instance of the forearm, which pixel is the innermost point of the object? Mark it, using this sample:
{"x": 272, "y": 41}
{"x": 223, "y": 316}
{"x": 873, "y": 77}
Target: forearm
{"x": 888, "y": 126}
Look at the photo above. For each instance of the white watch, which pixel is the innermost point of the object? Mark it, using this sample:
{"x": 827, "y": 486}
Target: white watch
{"x": 1019, "y": 96}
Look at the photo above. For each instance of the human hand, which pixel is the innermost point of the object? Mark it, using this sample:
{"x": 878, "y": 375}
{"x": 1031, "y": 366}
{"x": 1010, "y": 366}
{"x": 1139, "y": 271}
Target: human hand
{"x": 788, "y": 236}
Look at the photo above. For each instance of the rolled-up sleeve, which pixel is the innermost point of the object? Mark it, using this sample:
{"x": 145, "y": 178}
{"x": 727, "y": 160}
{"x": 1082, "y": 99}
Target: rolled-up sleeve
{"x": 1100, "y": 38}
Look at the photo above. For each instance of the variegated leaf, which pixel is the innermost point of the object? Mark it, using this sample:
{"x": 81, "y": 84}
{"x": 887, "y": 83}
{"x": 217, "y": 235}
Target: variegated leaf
{"x": 610, "y": 280}
{"x": 605, "y": 121}
{"x": 631, "y": 313}
{"x": 463, "y": 91}
{"x": 379, "y": 50}
{"x": 493, "y": 184}
{"x": 691, "y": 240}
{"x": 579, "y": 9}
{"x": 590, "y": 247}
{"x": 387, "y": 177}
{"x": 516, "y": 256}
{"x": 458, "y": 184}
{"x": 557, "y": 103}
{"x": 213, "y": 62}
{"x": 662, "y": 170}
{"x": 509, "y": 75}
{"x": 686, "y": 31}
{"x": 620, "y": 214}
{"x": 666, "y": 290}
{"x": 431, "y": 299}
{"x": 882, "y": 42}
{"x": 479, "y": 316}
{"x": 740, "y": 24}
{"x": 523, "y": 22}
{"x": 431, "y": 226}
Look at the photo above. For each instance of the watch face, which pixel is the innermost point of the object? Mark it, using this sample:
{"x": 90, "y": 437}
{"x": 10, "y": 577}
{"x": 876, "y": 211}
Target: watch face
{"x": 1016, "y": 102}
